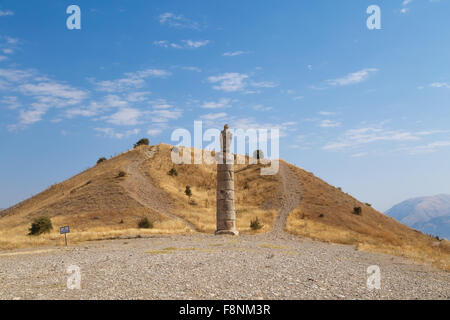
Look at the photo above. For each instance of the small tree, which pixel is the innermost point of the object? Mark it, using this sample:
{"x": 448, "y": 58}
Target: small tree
{"x": 188, "y": 192}
{"x": 144, "y": 223}
{"x": 255, "y": 224}
{"x": 357, "y": 211}
{"x": 142, "y": 142}
{"x": 121, "y": 174}
{"x": 100, "y": 160}
{"x": 173, "y": 172}
{"x": 40, "y": 225}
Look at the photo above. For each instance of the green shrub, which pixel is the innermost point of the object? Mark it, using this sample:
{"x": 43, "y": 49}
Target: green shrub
{"x": 121, "y": 174}
{"x": 255, "y": 224}
{"x": 188, "y": 191}
{"x": 357, "y": 211}
{"x": 100, "y": 160}
{"x": 173, "y": 172}
{"x": 40, "y": 226}
{"x": 144, "y": 223}
{"x": 142, "y": 142}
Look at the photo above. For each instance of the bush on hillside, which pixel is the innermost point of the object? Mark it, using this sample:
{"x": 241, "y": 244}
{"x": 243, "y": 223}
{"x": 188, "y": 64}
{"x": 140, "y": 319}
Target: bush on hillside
{"x": 142, "y": 142}
{"x": 357, "y": 211}
{"x": 40, "y": 226}
{"x": 144, "y": 223}
{"x": 255, "y": 224}
{"x": 100, "y": 160}
{"x": 173, "y": 172}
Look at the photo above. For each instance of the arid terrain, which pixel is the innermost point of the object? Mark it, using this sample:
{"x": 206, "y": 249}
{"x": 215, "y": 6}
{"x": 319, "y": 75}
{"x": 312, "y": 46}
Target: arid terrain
{"x": 208, "y": 267}
{"x": 313, "y": 242}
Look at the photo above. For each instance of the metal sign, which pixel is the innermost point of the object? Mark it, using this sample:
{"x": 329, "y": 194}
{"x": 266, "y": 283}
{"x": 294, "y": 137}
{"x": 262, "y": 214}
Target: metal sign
{"x": 64, "y": 230}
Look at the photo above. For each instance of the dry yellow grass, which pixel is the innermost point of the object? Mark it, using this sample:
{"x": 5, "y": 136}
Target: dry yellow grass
{"x": 326, "y": 214}
{"x": 256, "y": 195}
{"x": 97, "y": 205}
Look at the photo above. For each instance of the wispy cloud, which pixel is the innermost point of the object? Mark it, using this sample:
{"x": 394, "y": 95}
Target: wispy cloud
{"x": 222, "y": 103}
{"x": 234, "y": 53}
{"x": 184, "y": 44}
{"x": 440, "y": 85}
{"x": 229, "y": 82}
{"x": 111, "y": 133}
{"x": 329, "y": 124}
{"x": 357, "y": 137}
{"x": 233, "y": 81}
{"x": 177, "y": 21}
{"x": 4, "y": 13}
{"x": 352, "y": 78}
{"x": 132, "y": 80}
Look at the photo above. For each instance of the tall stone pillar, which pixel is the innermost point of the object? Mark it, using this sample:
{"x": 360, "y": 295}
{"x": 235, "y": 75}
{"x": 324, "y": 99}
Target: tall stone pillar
{"x": 226, "y": 216}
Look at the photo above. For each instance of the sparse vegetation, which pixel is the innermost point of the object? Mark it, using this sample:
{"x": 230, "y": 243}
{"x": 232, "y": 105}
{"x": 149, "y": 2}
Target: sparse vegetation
{"x": 100, "y": 160}
{"x": 144, "y": 223}
{"x": 173, "y": 172}
{"x": 357, "y": 211}
{"x": 121, "y": 174}
{"x": 188, "y": 192}
{"x": 40, "y": 226}
{"x": 368, "y": 204}
{"x": 142, "y": 142}
{"x": 255, "y": 224}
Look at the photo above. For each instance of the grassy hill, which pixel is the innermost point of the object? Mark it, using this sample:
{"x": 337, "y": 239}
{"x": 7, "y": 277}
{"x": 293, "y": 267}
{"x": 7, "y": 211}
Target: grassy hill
{"x": 109, "y": 200}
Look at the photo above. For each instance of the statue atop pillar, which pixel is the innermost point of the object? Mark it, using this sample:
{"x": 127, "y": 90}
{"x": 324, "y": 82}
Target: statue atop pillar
{"x": 226, "y": 215}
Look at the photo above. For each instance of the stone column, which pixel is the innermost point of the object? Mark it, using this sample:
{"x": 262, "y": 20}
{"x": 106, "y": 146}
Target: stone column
{"x": 226, "y": 216}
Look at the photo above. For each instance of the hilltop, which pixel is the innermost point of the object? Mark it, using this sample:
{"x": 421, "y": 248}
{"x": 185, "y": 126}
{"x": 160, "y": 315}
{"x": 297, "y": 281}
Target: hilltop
{"x": 109, "y": 199}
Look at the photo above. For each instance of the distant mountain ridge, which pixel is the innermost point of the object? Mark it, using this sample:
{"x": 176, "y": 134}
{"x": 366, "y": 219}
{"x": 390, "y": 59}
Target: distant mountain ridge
{"x": 427, "y": 214}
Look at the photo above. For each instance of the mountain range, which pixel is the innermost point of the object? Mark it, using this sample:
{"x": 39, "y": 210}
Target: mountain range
{"x": 430, "y": 214}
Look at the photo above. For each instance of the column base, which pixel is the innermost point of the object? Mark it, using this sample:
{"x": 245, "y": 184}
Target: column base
{"x": 227, "y": 232}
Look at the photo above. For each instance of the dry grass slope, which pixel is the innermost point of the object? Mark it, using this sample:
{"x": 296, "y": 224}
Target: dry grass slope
{"x": 99, "y": 204}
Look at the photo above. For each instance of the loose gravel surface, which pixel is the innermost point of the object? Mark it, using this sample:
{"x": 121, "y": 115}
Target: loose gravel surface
{"x": 210, "y": 267}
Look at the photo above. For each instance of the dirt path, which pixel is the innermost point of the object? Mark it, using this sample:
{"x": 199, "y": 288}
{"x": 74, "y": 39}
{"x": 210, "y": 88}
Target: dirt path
{"x": 143, "y": 191}
{"x": 291, "y": 190}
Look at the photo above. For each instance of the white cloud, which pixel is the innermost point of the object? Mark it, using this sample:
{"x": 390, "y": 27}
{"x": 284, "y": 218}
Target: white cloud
{"x": 353, "y": 78}
{"x": 260, "y": 107}
{"x": 185, "y": 44}
{"x": 214, "y": 116}
{"x": 358, "y": 137}
{"x": 11, "y": 101}
{"x": 177, "y": 21}
{"x": 164, "y": 114}
{"x": 222, "y": 103}
{"x": 111, "y": 133}
{"x": 326, "y": 113}
{"x": 264, "y": 84}
{"x": 132, "y": 80}
{"x": 4, "y": 13}
{"x": 229, "y": 82}
{"x": 440, "y": 85}
{"x": 195, "y": 44}
{"x": 154, "y": 132}
{"x": 329, "y": 124}
{"x": 428, "y": 148}
{"x": 234, "y": 53}
{"x": 126, "y": 117}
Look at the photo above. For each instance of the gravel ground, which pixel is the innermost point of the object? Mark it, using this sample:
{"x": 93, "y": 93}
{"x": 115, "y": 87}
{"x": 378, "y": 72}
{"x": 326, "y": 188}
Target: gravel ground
{"x": 210, "y": 267}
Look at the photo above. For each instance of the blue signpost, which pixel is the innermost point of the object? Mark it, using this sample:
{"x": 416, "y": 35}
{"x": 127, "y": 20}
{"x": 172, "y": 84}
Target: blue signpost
{"x": 64, "y": 230}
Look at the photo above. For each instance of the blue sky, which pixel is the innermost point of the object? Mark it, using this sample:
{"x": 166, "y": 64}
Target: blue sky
{"x": 366, "y": 110}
